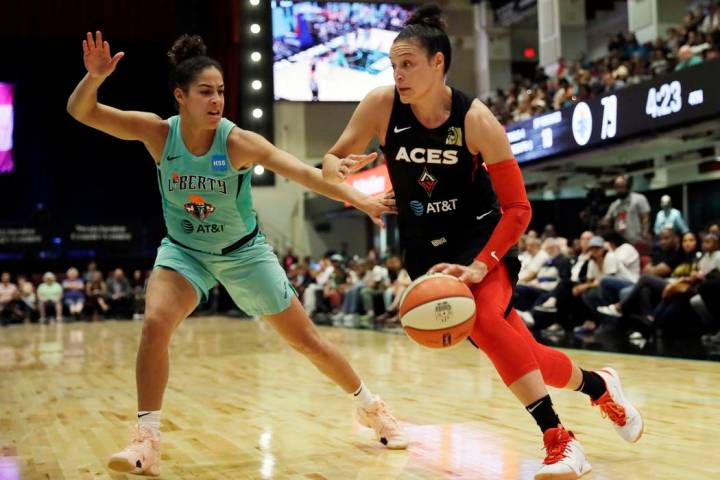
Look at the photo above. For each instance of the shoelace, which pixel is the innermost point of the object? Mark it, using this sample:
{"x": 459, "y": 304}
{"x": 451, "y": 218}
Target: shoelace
{"x": 614, "y": 411}
{"x": 387, "y": 419}
{"x": 556, "y": 447}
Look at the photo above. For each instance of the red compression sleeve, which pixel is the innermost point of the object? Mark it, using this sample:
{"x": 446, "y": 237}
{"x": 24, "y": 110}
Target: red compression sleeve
{"x": 516, "y": 212}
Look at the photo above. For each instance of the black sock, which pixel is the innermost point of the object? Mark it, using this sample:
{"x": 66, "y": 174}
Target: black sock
{"x": 544, "y": 414}
{"x": 592, "y": 385}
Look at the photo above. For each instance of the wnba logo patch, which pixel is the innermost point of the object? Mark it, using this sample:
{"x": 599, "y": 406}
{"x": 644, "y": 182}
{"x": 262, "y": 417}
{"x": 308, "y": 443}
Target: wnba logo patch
{"x": 443, "y": 312}
{"x": 454, "y": 136}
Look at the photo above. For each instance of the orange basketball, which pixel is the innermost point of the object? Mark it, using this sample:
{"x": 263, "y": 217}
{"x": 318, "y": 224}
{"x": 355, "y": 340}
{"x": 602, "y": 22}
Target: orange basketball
{"x": 437, "y": 311}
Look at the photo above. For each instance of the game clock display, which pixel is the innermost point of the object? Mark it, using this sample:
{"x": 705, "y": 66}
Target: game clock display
{"x": 666, "y": 102}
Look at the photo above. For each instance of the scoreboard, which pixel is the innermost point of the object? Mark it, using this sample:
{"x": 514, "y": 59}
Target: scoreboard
{"x": 666, "y": 102}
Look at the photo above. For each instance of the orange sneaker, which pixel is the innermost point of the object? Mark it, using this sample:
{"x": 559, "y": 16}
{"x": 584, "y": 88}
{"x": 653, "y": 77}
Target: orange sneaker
{"x": 627, "y": 420}
{"x": 387, "y": 429}
{"x": 565, "y": 458}
{"x": 142, "y": 456}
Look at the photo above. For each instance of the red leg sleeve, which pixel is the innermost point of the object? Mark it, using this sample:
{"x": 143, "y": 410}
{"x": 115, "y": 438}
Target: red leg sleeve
{"x": 507, "y": 342}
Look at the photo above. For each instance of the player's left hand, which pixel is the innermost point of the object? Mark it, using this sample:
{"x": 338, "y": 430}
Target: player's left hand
{"x": 474, "y": 273}
{"x": 375, "y": 207}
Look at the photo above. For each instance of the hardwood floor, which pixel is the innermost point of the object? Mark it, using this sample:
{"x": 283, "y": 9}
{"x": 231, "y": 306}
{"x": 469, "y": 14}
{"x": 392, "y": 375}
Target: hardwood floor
{"x": 242, "y": 405}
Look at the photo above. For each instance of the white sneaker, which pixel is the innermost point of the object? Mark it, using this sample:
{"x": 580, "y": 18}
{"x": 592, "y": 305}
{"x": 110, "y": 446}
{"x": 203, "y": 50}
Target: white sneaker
{"x": 613, "y": 404}
{"x": 142, "y": 456}
{"x": 527, "y": 318}
{"x": 565, "y": 458}
{"x": 609, "y": 310}
{"x": 387, "y": 429}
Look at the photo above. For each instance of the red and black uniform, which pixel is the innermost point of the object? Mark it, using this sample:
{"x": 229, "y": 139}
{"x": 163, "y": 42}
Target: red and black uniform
{"x": 448, "y": 211}
{"x": 447, "y": 208}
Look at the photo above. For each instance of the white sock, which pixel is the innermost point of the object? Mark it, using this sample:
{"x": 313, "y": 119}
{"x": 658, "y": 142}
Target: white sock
{"x": 151, "y": 419}
{"x": 363, "y": 396}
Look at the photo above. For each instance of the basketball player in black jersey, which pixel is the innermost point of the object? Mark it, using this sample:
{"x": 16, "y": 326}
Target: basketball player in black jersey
{"x": 462, "y": 207}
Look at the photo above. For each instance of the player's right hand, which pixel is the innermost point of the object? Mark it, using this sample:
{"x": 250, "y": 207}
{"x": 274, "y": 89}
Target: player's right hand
{"x": 96, "y": 55}
{"x": 337, "y": 171}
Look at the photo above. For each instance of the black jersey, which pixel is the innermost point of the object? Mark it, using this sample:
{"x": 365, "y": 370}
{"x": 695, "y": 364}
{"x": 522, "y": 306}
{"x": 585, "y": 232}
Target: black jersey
{"x": 447, "y": 208}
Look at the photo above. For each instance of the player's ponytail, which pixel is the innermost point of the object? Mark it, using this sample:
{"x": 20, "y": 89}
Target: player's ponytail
{"x": 188, "y": 57}
{"x": 427, "y": 26}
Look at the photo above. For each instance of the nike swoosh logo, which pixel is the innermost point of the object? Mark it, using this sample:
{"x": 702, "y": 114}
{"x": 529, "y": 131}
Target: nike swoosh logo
{"x": 143, "y": 414}
{"x": 398, "y": 130}
{"x": 494, "y": 255}
{"x": 530, "y": 410}
{"x": 484, "y": 215}
{"x": 170, "y": 159}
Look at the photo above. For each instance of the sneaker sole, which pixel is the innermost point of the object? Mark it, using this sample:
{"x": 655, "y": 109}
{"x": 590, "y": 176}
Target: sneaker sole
{"x": 122, "y": 465}
{"x": 613, "y": 373}
{"x": 586, "y": 468}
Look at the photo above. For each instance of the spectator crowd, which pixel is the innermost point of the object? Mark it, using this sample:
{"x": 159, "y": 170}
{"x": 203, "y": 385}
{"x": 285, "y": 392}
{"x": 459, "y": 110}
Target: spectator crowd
{"x": 90, "y": 296}
{"x": 627, "y": 62}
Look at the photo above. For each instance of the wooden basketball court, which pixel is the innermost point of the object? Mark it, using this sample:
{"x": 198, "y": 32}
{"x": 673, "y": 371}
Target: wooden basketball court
{"x": 242, "y": 405}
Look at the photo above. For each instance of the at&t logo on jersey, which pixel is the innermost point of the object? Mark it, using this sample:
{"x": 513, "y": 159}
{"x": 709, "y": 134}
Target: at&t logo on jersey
{"x": 417, "y": 207}
{"x": 428, "y": 155}
{"x": 433, "y": 207}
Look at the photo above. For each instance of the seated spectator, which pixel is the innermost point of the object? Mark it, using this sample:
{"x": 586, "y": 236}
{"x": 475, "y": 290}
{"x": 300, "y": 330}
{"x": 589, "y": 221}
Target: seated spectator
{"x": 375, "y": 283}
{"x": 675, "y": 313}
{"x": 91, "y": 269}
{"x": 564, "y": 305}
{"x": 74, "y": 293}
{"x": 96, "y": 295}
{"x": 137, "y": 284}
{"x": 615, "y": 287}
{"x": 669, "y": 217}
{"x": 289, "y": 259}
{"x": 532, "y": 259}
{"x": 352, "y": 301}
{"x": 687, "y": 58}
{"x": 10, "y": 303}
{"x": 28, "y": 297}
{"x": 646, "y": 294}
{"x": 120, "y": 297}
{"x": 603, "y": 263}
{"x": 537, "y": 291}
{"x": 314, "y": 300}
{"x": 668, "y": 257}
{"x": 337, "y": 283}
{"x": 49, "y": 294}
{"x": 399, "y": 281}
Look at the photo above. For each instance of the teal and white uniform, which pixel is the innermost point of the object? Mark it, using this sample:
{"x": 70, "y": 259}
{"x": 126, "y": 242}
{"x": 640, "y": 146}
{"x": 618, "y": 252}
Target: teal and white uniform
{"x": 212, "y": 228}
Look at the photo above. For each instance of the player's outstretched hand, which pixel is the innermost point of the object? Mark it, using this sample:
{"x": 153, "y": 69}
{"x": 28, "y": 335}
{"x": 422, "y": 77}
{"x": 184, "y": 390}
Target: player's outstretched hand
{"x": 97, "y": 58}
{"x": 338, "y": 171}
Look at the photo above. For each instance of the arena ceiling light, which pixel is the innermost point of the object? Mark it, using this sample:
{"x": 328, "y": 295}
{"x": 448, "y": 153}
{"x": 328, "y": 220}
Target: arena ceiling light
{"x": 255, "y": 56}
{"x": 257, "y": 113}
{"x": 255, "y": 28}
{"x": 256, "y": 84}
{"x": 254, "y": 3}
{"x": 259, "y": 169}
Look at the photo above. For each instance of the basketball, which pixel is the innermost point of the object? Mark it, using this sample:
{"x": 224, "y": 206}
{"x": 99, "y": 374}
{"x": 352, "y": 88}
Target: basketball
{"x": 437, "y": 311}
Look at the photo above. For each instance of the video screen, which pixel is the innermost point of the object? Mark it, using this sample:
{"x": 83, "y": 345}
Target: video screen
{"x": 6, "y": 127}
{"x": 328, "y": 51}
